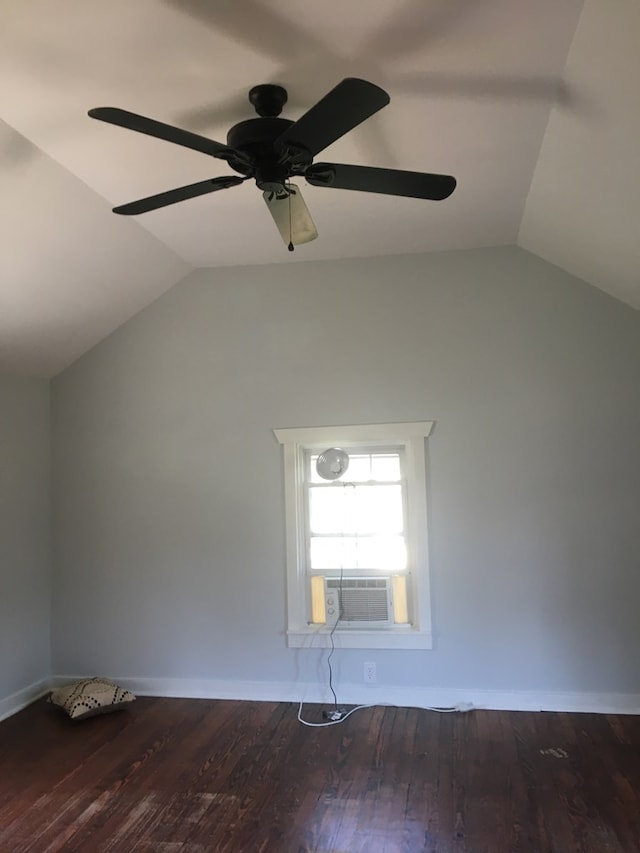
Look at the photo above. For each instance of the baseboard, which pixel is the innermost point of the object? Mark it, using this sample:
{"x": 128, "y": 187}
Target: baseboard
{"x": 406, "y": 697}
{"x": 19, "y": 700}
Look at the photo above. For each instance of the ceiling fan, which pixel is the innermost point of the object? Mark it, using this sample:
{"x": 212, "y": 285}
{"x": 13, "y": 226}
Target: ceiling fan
{"x": 272, "y": 150}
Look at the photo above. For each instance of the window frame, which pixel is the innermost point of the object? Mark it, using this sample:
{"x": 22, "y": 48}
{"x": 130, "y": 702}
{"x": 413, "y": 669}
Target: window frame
{"x": 296, "y": 441}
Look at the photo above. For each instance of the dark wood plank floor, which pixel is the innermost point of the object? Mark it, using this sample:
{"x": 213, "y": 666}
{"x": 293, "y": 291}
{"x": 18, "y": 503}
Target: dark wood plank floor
{"x": 194, "y": 776}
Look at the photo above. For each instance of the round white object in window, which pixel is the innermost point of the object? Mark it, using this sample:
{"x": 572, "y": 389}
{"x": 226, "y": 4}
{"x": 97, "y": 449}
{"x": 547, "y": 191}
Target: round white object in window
{"x": 332, "y": 464}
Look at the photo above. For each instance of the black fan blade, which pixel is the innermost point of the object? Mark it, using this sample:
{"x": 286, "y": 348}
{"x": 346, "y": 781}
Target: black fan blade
{"x": 153, "y": 202}
{"x": 141, "y": 124}
{"x": 387, "y": 181}
{"x": 343, "y": 108}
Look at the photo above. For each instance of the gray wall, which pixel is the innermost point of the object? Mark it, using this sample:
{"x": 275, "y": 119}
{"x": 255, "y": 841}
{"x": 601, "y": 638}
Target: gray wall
{"x": 25, "y": 589}
{"x": 169, "y": 551}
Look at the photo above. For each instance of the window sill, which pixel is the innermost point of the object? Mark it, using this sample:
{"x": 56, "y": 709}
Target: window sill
{"x": 320, "y": 638}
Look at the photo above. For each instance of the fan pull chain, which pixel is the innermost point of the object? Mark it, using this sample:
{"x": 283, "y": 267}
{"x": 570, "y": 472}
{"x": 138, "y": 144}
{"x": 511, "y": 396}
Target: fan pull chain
{"x": 290, "y": 246}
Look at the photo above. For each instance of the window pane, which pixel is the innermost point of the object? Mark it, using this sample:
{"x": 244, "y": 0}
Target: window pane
{"x": 363, "y": 467}
{"x": 327, "y": 512}
{"x": 385, "y": 466}
{"x": 387, "y": 553}
{"x": 382, "y": 552}
{"x": 359, "y": 469}
{"x": 355, "y": 509}
{"x": 332, "y": 553}
{"x": 377, "y": 509}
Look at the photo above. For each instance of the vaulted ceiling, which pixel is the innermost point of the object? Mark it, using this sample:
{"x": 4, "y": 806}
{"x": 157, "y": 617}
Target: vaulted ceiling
{"x": 532, "y": 106}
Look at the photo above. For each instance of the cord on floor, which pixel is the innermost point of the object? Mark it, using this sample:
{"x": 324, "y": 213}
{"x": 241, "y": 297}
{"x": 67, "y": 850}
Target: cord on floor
{"x": 460, "y": 708}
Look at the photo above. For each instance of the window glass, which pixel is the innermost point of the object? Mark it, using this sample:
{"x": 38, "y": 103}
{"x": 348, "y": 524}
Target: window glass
{"x": 373, "y": 552}
{"x": 385, "y": 466}
{"x": 363, "y": 467}
{"x": 351, "y": 509}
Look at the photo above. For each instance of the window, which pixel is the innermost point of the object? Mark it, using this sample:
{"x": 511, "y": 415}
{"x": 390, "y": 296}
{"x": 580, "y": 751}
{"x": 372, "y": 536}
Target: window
{"x": 357, "y": 557}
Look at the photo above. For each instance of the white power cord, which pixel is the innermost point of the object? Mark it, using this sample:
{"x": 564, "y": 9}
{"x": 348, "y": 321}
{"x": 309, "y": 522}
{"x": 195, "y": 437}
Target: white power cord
{"x": 341, "y": 719}
{"x": 461, "y": 708}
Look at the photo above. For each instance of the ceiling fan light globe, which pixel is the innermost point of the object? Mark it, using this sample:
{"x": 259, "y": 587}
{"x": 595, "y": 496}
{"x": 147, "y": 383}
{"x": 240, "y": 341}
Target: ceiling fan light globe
{"x": 291, "y": 215}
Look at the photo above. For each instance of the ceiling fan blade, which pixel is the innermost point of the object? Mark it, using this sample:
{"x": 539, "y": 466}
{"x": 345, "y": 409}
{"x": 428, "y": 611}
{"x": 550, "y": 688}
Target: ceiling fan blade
{"x": 142, "y": 124}
{"x": 343, "y": 108}
{"x": 153, "y": 202}
{"x": 388, "y": 181}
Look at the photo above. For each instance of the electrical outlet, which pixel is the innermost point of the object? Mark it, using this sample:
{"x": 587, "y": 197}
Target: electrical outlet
{"x": 370, "y": 673}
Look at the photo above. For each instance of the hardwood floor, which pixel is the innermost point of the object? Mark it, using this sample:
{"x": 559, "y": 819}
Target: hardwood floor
{"x": 195, "y": 776}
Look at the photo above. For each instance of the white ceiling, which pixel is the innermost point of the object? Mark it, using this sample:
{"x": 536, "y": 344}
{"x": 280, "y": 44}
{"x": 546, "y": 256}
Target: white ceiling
{"x": 539, "y": 127}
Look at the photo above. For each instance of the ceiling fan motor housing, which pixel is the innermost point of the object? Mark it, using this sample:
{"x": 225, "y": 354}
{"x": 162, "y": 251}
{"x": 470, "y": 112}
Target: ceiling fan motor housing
{"x": 271, "y": 167}
{"x": 268, "y": 99}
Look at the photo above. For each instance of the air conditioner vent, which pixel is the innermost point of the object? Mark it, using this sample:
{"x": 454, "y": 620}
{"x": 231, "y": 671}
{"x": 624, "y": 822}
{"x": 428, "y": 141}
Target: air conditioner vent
{"x": 359, "y": 602}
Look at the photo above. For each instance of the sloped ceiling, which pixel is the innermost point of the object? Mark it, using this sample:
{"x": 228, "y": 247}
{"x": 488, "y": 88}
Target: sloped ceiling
{"x": 480, "y": 89}
{"x": 583, "y": 209}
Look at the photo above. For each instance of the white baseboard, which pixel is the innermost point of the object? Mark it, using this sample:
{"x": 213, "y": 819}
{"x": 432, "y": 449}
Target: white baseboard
{"x": 356, "y": 694}
{"x": 19, "y": 700}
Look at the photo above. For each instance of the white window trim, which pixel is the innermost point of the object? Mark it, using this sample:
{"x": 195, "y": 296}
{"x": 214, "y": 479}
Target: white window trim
{"x": 295, "y": 441}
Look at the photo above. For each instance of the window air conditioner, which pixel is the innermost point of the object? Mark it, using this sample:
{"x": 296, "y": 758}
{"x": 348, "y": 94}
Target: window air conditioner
{"x": 359, "y": 602}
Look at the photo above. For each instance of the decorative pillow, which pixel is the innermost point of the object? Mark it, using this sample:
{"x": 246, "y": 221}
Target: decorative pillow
{"x": 89, "y": 697}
